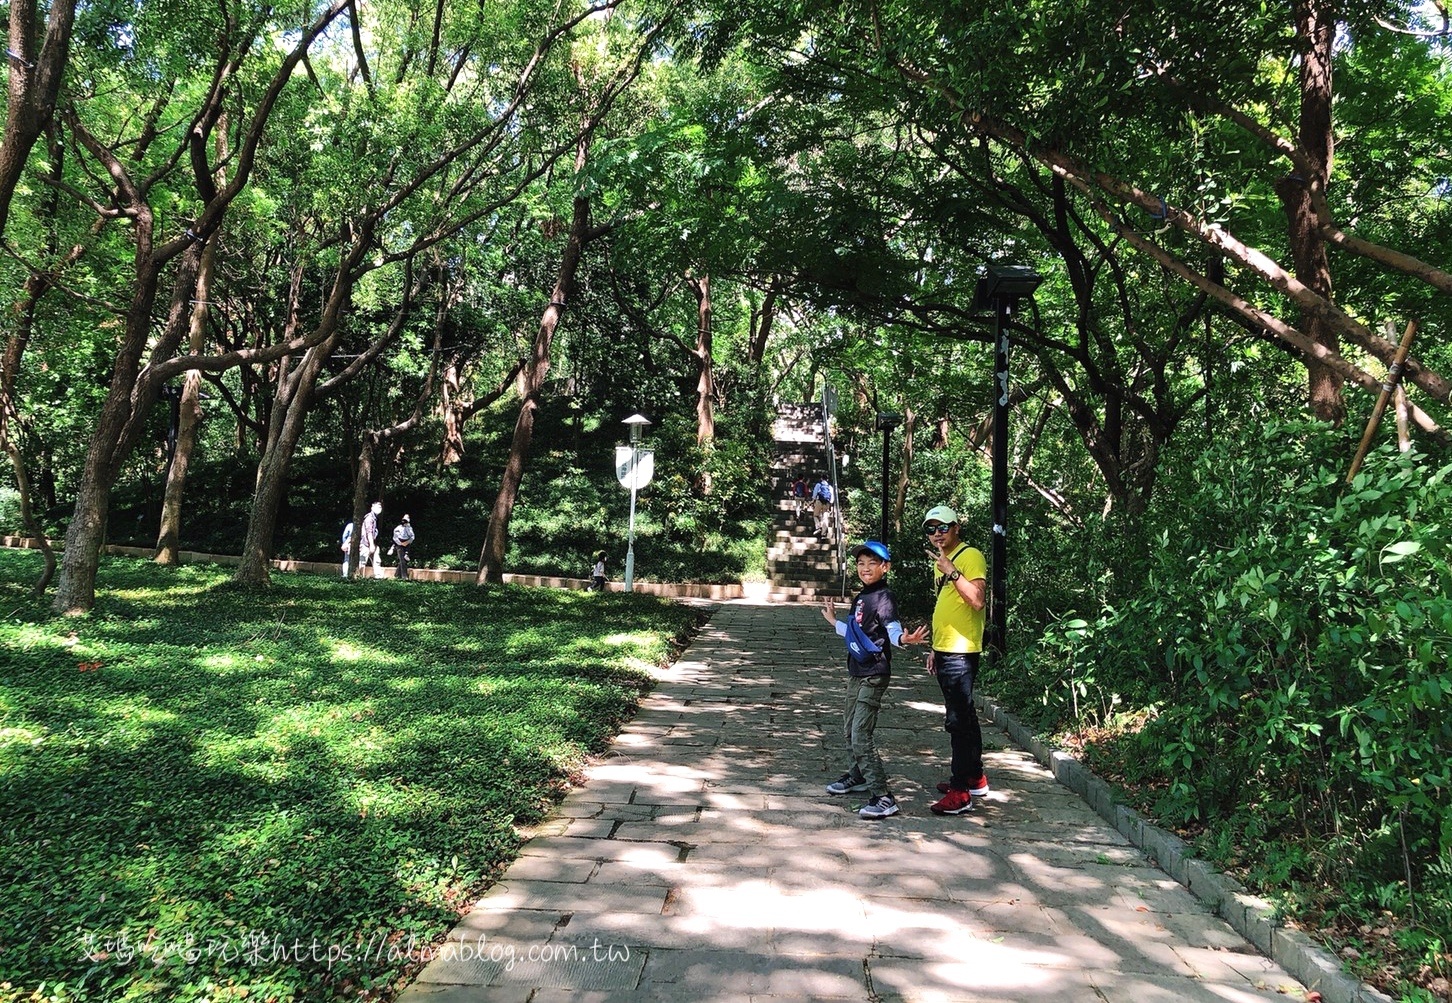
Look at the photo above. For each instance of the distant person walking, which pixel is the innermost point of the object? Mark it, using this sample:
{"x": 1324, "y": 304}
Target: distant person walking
{"x": 957, "y": 647}
{"x": 597, "y": 573}
{"x": 798, "y": 494}
{"x": 822, "y": 498}
{"x": 402, "y": 541}
{"x": 347, "y": 539}
{"x": 369, "y": 551}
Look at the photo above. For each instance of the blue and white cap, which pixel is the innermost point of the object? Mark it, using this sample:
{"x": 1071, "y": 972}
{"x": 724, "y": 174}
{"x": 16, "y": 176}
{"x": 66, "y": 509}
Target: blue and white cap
{"x": 873, "y": 547}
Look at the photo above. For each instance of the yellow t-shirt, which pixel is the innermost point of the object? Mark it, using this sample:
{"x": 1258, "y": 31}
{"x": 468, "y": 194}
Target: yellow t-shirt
{"x": 957, "y": 626}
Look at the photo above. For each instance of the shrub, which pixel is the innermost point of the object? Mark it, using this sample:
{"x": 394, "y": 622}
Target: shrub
{"x": 10, "y": 511}
{"x": 1289, "y": 642}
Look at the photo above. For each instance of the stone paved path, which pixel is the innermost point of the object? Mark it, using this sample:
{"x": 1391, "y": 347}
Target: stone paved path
{"x": 703, "y": 861}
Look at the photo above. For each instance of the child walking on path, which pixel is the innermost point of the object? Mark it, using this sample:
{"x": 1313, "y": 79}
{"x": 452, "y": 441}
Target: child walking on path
{"x": 870, "y": 632}
{"x": 597, "y": 574}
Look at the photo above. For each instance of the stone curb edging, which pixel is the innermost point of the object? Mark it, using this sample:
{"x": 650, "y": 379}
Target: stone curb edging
{"x": 686, "y": 590}
{"x": 1250, "y": 916}
{"x": 721, "y": 592}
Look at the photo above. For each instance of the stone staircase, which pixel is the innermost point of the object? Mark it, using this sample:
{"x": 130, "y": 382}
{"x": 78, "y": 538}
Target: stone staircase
{"x": 800, "y": 565}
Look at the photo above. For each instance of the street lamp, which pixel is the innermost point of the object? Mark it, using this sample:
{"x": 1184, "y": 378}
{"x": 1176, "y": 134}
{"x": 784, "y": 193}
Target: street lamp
{"x": 1001, "y": 288}
{"x": 886, "y": 421}
{"x": 633, "y": 467}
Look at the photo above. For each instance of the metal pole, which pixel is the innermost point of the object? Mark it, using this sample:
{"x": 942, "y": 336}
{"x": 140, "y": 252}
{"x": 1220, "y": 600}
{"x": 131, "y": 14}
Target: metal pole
{"x": 886, "y": 434}
{"x": 998, "y": 609}
{"x": 630, "y": 540}
{"x": 834, "y": 512}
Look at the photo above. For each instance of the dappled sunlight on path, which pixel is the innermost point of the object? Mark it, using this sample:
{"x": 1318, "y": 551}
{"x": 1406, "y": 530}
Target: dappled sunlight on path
{"x": 702, "y": 860}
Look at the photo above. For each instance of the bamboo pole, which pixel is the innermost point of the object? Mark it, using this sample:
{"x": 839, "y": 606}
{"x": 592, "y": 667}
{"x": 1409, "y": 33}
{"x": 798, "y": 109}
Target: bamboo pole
{"x": 1388, "y": 387}
{"x": 1404, "y": 436}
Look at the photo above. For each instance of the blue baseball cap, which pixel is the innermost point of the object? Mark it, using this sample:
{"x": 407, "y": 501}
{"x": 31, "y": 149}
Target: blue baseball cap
{"x": 873, "y": 547}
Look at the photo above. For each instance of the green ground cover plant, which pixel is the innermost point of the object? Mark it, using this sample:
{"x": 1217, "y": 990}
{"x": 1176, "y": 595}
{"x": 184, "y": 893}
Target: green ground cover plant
{"x": 1263, "y": 665}
{"x": 195, "y": 774}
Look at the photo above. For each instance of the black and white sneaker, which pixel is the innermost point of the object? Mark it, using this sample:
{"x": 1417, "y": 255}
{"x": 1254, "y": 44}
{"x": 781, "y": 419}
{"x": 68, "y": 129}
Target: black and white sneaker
{"x": 879, "y": 807}
{"x": 847, "y": 784}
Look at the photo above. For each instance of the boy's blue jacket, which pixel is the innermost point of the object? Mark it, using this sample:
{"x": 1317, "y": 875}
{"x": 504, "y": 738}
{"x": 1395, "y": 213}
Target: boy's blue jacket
{"x": 869, "y": 649}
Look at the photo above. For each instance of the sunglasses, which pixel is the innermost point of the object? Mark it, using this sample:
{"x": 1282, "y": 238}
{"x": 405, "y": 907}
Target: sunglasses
{"x": 941, "y": 527}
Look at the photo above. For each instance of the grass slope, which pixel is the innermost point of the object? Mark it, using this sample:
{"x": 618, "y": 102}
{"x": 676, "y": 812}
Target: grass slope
{"x": 195, "y": 771}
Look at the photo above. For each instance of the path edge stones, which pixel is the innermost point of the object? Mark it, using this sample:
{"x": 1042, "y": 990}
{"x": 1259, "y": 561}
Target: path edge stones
{"x": 1252, "y": 917}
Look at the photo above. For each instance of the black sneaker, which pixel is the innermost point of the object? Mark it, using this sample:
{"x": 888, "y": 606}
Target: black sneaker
{"x": 879, "y": 807}
{"x": 847, "y": 784}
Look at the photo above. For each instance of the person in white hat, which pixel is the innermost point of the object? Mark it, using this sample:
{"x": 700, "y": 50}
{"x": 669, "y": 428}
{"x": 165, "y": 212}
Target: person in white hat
{"x": 961, "y": 586}
{"x": 369, "y": 549}
{"x": 403, "y": 537}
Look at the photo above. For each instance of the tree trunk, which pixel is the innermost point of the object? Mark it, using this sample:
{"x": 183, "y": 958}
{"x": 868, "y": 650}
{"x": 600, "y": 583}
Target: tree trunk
{"x": 289, "y": 415}
{"x": 452, "y": 450}
{"x": 189, "y": 415}
{"x": 36, "y": 286}
{"x": 455, "y": 414}
{"x": 128, "y": 399}
{"x": 765, "y": 320}
{"x": 297, "y": 390}
{"x": 905, "y": 470}
{"x": 496, "y": 540}
{"x": 35, "y": 74}
{"x": 362, "y": 477}
{"x": 705, "y": 377}
{"x": 286, "y": 422}
{"x": 9, "y": 371}
{"x": 1316, "y": 29}
{"x": 940, "y": 435}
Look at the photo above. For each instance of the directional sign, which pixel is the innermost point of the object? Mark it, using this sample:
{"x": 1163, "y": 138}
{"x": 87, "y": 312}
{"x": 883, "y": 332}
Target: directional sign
{"x": 637, "y": 475}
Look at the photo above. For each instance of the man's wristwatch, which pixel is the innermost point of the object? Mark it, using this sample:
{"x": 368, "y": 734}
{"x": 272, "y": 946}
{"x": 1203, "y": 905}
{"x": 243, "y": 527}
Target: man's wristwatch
{"x": 955, "y": 576}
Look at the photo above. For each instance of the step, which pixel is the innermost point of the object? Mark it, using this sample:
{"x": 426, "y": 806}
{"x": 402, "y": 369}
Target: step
{"x": 814, "y": 596}
{"x": 801, "y": 565}
{"x": 800, "y": 541}
{"x": 806, "y": 562}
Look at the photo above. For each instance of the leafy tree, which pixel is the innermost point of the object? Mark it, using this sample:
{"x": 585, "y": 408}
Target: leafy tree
{"x": 134, "y": 384}
{"x": 600, "y": 78}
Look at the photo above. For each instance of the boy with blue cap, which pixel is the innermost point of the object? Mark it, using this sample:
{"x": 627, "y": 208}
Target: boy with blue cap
{"x": 870, "y": 632}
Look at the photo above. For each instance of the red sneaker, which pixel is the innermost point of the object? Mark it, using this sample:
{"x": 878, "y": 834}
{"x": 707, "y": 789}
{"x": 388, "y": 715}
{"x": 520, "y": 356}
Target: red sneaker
{"x": 953, "y": 803}
{"x": 977, "y": 790}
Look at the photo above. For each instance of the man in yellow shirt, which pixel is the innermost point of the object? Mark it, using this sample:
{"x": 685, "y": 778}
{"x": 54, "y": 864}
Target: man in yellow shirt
{"x": 961, "y": 586}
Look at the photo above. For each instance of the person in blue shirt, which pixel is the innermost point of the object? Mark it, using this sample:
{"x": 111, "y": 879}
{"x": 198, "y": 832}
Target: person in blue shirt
{"x": 347, "y": 539}
{"x": 822, "y": 498}
{"x": 871, "y": 631}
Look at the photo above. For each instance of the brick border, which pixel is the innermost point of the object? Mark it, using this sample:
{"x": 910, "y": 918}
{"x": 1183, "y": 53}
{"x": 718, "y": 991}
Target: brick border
{"x": 1252, "y": 917}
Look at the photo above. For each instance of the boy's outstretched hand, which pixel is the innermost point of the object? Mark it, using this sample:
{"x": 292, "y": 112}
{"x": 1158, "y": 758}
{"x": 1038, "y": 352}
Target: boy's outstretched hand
{"x": 914, "y": 636}
{"x": 829, "y": 610}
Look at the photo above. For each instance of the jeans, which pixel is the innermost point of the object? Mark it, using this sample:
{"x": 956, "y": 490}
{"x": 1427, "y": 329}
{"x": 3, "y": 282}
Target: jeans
{"x": 859, "y": 721}
{"x": 960, "y": 719}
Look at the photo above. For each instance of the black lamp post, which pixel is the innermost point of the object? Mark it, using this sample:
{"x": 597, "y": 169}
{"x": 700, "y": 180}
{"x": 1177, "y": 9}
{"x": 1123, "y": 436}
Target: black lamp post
{"x": 886, "y": 421}
{"x": 1001, "y": 288}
